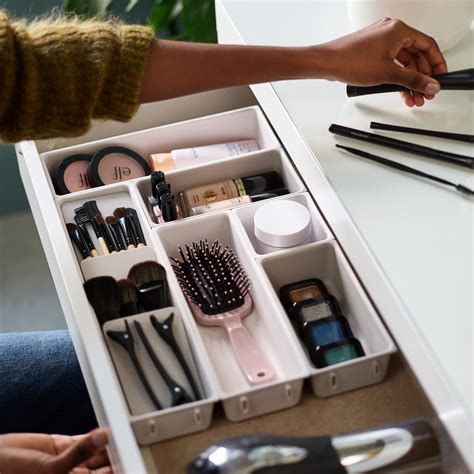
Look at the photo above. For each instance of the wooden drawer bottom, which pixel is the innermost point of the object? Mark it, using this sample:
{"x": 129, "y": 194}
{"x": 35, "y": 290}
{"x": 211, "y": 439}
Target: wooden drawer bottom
{"x": 398, "y": 397}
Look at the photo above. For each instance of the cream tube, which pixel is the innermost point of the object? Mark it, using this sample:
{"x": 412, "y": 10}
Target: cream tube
{"x": 186, "y": 157}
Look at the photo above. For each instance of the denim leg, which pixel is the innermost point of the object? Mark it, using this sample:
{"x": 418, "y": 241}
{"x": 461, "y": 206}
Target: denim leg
{"x": 41, "y": 385}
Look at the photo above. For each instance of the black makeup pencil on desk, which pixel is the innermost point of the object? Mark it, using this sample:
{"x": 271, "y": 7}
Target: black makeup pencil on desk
{"x": 460, "y": 137}
{"x": 440, "y": 155}
{"x": 407, "y": 169}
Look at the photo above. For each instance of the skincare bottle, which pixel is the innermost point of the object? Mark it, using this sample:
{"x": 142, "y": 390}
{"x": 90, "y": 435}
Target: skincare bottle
{"x": 186, "y": 157}
{"x": 236, "y": 202}
{"x": 229, "y": 189}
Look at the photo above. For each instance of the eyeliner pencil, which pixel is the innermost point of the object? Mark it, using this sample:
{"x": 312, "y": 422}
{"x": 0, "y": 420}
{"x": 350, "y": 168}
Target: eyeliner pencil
{"x": 407, "y": 169}
{"x": 460, "y": 137}
{"x": 446, "y": 156}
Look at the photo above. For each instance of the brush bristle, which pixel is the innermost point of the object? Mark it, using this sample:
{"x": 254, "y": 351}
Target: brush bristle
{"x": 145, "y": 272}
{"x": 212, "y": 277}
{"x": 81, "y": 215}
{"x": 120, "y": 212}
{"x": 110, "y": 220}
{"x": 91, "y": 209}
{"x": 128, "y": 291}
{"x": 103, "y": 294}
{"x": 71, "y": 228}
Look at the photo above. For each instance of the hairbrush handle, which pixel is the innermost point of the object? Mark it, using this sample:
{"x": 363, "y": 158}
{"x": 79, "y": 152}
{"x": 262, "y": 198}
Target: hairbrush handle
{"x": 251, "y": 359}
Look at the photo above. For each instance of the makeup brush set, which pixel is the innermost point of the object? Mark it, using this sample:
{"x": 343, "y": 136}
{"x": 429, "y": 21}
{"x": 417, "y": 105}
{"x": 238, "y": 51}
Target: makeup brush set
{"x": 143, "y": 291}
{"x": 117, "y": 233}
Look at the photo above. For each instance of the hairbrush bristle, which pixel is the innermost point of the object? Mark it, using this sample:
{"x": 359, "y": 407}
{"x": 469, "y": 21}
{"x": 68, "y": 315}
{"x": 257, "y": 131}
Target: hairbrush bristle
{"x": 212, "y": 277}
{"x": 103, "y": 294}
{"x": 145, "y": 272}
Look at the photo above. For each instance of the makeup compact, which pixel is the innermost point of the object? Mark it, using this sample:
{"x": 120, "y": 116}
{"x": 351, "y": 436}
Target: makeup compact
{"x": 282, "y": 224}
{"x": 300, "y": 291}
{"x": 313, "y": 309}
{"x": 115, "y": 164}
{"x": 337, "y": 352}
{"x": 325, "y": 331}
{"x": 71, "y": 174}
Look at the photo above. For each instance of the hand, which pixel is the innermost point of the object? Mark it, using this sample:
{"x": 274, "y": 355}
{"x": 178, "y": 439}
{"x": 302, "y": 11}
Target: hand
{"x": 388, "y": 51}
{"x": 54, "y": 454}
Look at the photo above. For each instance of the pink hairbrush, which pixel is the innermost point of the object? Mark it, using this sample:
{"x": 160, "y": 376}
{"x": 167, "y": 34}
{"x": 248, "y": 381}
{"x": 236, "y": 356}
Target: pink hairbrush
{"x": 217, "y": 289}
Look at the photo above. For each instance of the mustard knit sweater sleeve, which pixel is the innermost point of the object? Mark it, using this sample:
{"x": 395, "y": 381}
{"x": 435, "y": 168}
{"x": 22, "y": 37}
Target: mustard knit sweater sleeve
{"x": 56, "y": 76}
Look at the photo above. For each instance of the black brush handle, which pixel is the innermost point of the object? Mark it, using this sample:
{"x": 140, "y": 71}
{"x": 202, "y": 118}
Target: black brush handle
{"x": 117, "y": 235}
{"x": 179, "y": 396}
{"x": 125, "y": 339}
{"x": 127, "y": 231}
{"x": 137, "y": 228}
{"x": 460, "y": 137}
{"x": 85, "y": 233}
{"x": 446, "y": 156}
{"x": 278, "y": 455}
{"x": 455, "y": 81}
{"x": 165, "y": 331}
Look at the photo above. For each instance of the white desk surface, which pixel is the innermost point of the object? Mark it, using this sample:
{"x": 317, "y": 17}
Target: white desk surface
{"x": 421, "y": 233}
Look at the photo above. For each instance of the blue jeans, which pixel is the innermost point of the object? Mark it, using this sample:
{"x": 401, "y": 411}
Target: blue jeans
{"x": 41, "y": 385}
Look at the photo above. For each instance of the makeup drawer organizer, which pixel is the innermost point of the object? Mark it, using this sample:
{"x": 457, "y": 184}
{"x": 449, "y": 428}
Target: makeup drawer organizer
{"x": 203, "y": 119}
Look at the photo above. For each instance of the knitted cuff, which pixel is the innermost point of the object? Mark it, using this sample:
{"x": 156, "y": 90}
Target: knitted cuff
{"x": 119, "y": 100}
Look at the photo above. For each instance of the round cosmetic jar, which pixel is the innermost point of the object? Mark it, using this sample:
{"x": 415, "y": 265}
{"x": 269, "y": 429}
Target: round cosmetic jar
{"x": 72, "y": 174}
{"x": 115, "y": 164}
{"x": 282, "y": 223}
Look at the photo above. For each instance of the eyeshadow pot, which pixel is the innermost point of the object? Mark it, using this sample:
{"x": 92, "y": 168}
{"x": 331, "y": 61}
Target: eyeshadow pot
{"x": 300, "y": 291}
{"x": 325, "y": 331}
{"x": 337, "y": 352}
{"x": 115, "y": 164}
{"x": 72, "y": 174}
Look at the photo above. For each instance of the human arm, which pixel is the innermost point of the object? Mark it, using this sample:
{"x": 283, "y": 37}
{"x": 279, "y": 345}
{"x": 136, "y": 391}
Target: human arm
{"x": 366, "y": 57}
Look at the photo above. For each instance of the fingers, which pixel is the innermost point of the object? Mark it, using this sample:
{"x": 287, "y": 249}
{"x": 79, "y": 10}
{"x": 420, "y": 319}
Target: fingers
{"x": 80, "y": 452}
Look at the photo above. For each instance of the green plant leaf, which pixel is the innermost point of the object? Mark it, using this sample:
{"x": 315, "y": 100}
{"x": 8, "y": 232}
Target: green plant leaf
{"x": 163, "y": 13}
{"x": 199, "y": 19}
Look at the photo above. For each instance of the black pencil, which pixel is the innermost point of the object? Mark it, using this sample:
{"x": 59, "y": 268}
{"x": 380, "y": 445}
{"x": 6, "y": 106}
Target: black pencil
{"x": 460, "y": 137}
{"x": 407, "y": 169}
{"x": 445, "y": 156}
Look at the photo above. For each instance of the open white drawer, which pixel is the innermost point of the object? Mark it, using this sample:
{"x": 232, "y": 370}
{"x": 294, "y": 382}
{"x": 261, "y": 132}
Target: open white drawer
{"x": 268, "y": 322}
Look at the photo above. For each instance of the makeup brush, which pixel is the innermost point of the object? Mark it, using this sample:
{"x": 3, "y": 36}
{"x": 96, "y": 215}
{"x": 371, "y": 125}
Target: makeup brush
{"x": 454, "y": 81}
{"x": 407, "y": 169}
{"x": 128, "y": 297}
{"x": 460, "y": 137}
{"x": 137, "y": 228}
{"x": 408, "y": 147}
{"x": 86, "y": 235}
{"x": 217, "y": 289}
{"x": 86, "y": 213}
{"x": 77, "y": 238}
{"x": 105, "y": 232}
{"x": 125, "y": 339}
{"x": 179, "y": 396}
{"x": 116, "y": 233}
{"x": 165, "y": 331}
{"x": 126, "y": 225}
{"x": 150, "y": 280}
{"x": 103, "y": 295}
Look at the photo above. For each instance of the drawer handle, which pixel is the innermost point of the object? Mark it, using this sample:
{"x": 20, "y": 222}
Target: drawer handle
{"x": 244, "y": 405}
{"x": 289, "y": 391}
{"x": 152, "y": 428}
{"x": 333, "y": 379}
{"x": 197, "y": 416}
{"x": 376, "y": 367}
